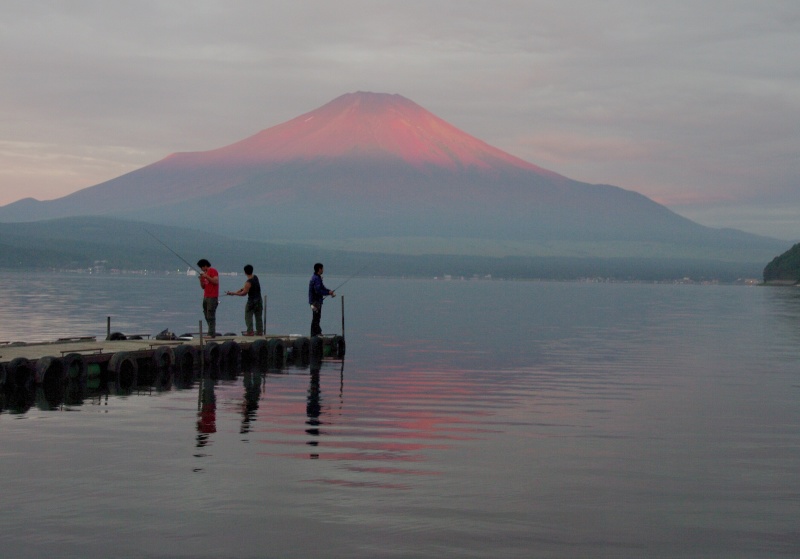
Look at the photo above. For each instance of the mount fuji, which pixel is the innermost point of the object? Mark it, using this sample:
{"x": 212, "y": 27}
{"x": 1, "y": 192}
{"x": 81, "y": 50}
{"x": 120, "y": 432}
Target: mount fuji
{"x": 374, "y": 165}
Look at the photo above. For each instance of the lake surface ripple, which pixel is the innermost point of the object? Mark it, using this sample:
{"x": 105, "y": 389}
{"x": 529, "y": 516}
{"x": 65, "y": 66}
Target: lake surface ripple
{"x": 469, "y": 419}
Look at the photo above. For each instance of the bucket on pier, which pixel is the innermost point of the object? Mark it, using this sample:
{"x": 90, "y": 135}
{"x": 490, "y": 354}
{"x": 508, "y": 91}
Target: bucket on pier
{"x": 94, "y": 376}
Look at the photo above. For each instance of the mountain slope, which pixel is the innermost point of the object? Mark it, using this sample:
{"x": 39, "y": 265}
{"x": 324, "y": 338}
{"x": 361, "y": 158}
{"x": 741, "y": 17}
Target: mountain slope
{"x": 372, "y": 165}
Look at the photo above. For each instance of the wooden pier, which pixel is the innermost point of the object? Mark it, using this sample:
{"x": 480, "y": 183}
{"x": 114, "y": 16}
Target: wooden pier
{"x": 137, "y": 361}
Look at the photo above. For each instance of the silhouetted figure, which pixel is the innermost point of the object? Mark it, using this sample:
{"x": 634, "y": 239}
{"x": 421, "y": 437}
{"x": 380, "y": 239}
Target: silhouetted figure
{"x": 313, "y": 409}
{"x": 252, "y": 394}
{"x": 316, "y": 294}
{"x": 207, "y": 415}
{"x": 254, "y": 307}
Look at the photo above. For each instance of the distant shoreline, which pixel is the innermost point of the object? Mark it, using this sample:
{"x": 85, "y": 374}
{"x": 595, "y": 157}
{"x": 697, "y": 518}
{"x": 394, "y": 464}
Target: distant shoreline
{"x": 420, "y": 277}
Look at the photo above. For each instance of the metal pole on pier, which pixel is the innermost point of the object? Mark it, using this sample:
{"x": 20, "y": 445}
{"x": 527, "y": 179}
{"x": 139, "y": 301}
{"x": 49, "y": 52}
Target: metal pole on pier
{"x": 108, "y": 327}
{"x": 342, "y": 296}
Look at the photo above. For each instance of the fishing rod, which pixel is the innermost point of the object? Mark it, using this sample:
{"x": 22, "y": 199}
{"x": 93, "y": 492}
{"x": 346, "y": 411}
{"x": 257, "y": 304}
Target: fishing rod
{"x": 172, "y": 251}
{"x": 351, "y": 277}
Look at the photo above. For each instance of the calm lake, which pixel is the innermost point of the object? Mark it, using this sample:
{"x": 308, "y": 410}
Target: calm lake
{"x": 486, "y": 419}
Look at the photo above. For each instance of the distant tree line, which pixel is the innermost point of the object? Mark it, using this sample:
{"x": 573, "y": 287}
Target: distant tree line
{"x": 784, "y": 268}
{"x": 79, "y": 243}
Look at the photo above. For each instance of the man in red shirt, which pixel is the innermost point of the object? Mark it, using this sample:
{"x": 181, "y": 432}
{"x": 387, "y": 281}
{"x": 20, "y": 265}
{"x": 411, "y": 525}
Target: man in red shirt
{"x": 209, "y": 281}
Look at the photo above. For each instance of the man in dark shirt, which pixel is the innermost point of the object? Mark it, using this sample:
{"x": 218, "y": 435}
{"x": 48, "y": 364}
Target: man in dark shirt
{"x": 253, "y": 307}
{"x": 316, "y": 293}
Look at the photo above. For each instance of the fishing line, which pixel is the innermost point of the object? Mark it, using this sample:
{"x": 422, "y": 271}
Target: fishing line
{"x": 172, "y": 251}
{"x": 351, "y": 277}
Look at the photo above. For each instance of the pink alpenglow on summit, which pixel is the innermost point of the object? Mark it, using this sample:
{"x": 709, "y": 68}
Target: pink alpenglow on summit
{"x": 366, "y": 126}
{"x": 373, "y": 165}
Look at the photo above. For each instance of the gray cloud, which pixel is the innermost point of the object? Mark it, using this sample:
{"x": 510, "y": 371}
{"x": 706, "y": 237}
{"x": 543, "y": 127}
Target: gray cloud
{"x": 695, "y": 104}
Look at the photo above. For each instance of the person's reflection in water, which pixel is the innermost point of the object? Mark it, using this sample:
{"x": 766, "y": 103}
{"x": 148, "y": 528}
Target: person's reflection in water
{"x": 252, "y": 394}
{"x": 313, "y": 407}
{"x": 341, "y": 386}
{"x": 207, "y": 414}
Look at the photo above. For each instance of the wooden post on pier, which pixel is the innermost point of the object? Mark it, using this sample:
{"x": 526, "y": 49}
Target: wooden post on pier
{"x": 202, "y": 352}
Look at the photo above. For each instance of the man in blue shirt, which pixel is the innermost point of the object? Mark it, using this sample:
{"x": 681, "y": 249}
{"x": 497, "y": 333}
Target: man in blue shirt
{"x": 316, "y": 293}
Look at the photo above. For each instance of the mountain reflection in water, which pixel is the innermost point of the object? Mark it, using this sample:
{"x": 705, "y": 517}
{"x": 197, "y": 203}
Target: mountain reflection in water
{"x": 470, "y": 419}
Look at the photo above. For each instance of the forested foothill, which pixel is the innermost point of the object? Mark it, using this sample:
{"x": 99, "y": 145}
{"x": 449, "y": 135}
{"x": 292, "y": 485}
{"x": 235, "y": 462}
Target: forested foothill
{"x": 784, "y": 269}
{"x": 104, "y": 245}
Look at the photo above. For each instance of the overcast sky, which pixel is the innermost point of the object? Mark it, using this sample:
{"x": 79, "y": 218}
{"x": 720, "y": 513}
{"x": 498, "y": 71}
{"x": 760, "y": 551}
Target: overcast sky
{"x": 694, "y": 103}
